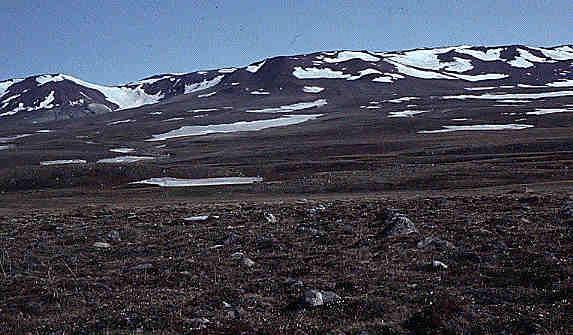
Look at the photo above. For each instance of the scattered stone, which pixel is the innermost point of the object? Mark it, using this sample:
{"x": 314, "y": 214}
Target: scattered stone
{"x": 436, "y": 243}
{"x": 103, "y": 245}
{"x": 266, "y": 242}
{"x": 144, "y": 266}
{"x": 397, "y": 224}
{"x": 242, "y": 259}
{"x": 199, "y": 323}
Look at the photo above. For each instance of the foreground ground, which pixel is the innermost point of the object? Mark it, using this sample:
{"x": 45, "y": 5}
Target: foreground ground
{"x": 137, "y": 266}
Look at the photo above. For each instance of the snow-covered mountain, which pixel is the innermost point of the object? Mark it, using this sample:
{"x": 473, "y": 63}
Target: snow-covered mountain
{"x": 322, "y": 73}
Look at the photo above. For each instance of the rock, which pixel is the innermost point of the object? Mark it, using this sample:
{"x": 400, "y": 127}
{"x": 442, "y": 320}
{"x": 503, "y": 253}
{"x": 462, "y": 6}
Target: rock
{"x": 567, "y": 213}
{"x": 231, "y": 239}
{"x": 102, "y": 245}
{"x": 435, "y": 242}
{"x": 198, "y": 323}
{"x": 347, "y": 229}
{"x": 242, "y": 259}
{"x": 439, "y": 265}
{"x": 144, "y": 266}
{"x": 330, "y": 298}
{"x": 114, "y": 235}
{"x": 270, "y": 218}
{"x": 199, "y": 218}
{"x": 397, "y": 224}
{"x": 266, "y": 242}
{"x": 315, "y": 298}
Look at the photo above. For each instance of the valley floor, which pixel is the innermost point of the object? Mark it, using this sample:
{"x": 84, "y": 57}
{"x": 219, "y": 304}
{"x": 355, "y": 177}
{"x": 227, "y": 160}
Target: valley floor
{"x": 151, "y": 261}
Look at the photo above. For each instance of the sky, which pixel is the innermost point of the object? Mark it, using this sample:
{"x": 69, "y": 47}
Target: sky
{"x": 115, "y": 42}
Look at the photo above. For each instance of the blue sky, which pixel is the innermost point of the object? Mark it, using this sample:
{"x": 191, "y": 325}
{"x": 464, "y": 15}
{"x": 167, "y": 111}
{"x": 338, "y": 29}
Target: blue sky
{"x": 112, "y": 42}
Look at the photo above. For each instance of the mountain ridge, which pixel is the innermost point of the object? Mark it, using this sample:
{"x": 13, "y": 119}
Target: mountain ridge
{"x": 68, "y": 97}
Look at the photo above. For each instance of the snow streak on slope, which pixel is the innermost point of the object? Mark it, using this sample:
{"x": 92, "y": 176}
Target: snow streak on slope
{"x": 4, "y": 85}
{"x": 203, "y": 85}
{"x": 291, "y": 108}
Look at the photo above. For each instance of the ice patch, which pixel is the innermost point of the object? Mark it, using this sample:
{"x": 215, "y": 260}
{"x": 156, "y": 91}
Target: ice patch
{"x": 155, "y": 113}
{"x": 312, "y": 89}
{"x": 178, "y": 182}
{"x": 291, "y": 108}
{"x": 234, "y": 127}
{"x": 478, "y": 127}
{"x": 173, "y": 119}
{"x": 125, "y": 159}
{"x": 63, "y": 162}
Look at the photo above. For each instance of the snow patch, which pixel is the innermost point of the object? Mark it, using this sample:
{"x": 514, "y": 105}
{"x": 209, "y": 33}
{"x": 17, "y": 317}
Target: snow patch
{"x": 478, "y": 127}
{"x": 512, "y": 96}
{"x": 122, "y": 150}
{"x": 255, "y": 67}
{"x": 120, "y": 121}
{"x": 406, "y": 113}
{"x": 344, "y": 56}
{"x": 312, "y": 89}
{"x": 260, "y": 92}
{"x": 179, "y": 182}
{"x": 234, "y": 127}
{"x": 125, "y": 159}
{"x": 63, "y": 162}
{"x": 206, "y": 95}
{"x": 543, "y": 111}
{"x": 318, "y": 73}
